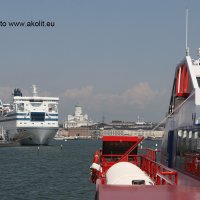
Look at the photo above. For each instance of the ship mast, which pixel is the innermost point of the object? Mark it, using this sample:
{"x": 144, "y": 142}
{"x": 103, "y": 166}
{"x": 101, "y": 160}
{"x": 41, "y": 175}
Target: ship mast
{"x": 186, "y": 34}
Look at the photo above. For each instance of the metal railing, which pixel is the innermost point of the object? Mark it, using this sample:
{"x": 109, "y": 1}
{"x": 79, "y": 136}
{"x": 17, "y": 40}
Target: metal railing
{"x": 160, "y": 174}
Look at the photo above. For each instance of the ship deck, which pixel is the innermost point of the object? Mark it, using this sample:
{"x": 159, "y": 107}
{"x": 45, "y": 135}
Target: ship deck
{"x": 188, "y": 188}
{"x": 187, "y": 181}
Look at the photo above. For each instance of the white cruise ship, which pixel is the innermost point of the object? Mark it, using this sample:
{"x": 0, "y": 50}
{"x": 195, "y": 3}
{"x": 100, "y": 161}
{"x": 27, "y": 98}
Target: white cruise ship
{"x": 29, "y": 120}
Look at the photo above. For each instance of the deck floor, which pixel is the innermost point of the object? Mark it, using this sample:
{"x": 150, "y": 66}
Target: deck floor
{"x": 187, "y": 181}
{"x": 188, "y": 189}
{"x": 148, "y": 192}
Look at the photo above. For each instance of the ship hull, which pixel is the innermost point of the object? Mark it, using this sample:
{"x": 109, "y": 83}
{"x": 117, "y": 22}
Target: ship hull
{"x": 36, "y": 135}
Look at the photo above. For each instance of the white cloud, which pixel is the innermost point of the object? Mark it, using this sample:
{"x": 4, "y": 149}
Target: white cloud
{"x": 139, "y": 95}
{"x": 79, "y": 93}
{"x": 139, "y": 99}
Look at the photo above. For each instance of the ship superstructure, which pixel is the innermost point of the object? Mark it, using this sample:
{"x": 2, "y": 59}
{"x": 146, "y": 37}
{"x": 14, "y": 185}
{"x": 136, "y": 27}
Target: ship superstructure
{"x": 181, "y": 143}
{"x": 182, "y": 134}
{"x": 30, "y": 120}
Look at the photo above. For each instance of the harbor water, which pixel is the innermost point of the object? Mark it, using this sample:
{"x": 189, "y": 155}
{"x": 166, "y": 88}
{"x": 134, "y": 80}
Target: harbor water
{"x": 59, "y": 171}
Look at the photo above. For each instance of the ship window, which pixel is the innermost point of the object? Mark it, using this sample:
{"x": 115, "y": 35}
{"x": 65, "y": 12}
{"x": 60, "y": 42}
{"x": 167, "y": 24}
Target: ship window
{"x": 198, "y": 81}
{"x": 198, "y": 145}
{"x": 37, "y": 116}
{"x": 117, "y": 147}
{"x": 20, "y": 106}
{"x": 183, "y": 142}
{"x": 178, "y": 147}
{"x": 195, "y": 135}
{"x": 35, "y": 100}
{"x": 53, "y": 107}
{"x": 36, "y": 104}
{"x": 190, "y": 134}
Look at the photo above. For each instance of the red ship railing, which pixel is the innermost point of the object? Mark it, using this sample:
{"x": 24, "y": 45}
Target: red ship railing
{"x": 160, "y": 174}
{"x": 192, "y": 163}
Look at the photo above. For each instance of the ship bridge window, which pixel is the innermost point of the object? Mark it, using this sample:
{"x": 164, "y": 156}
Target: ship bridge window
{"x": 53, "y": 108}
{"x": 37, "y": 116}
{"x": 35, "y": 100}
{"x": 20, "y": 106}
{"x": 36, "y": 104}
{"x": 118, "y": 147}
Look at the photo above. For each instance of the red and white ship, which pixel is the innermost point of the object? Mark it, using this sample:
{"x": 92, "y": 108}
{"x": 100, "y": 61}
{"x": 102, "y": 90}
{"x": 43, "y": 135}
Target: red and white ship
{"x": 122, "y": 172}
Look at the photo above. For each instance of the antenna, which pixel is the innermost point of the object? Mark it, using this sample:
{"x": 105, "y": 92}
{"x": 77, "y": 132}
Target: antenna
{"x": 186, "y": 34}
{"x": 103, "y": 118}
{"x": 34, "y": 91}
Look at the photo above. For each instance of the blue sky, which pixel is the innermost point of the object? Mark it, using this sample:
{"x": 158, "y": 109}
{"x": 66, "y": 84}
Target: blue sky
{"x": 113, "y": 57}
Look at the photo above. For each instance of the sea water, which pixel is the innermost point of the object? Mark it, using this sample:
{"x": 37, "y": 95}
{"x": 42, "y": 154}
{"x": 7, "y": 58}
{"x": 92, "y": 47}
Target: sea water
{"x": 59, "y": 171}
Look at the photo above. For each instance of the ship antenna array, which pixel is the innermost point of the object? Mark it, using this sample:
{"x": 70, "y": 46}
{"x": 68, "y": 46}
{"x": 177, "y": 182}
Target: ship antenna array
{"x": 35, "y": 93}
{"x": 186, "y": 34}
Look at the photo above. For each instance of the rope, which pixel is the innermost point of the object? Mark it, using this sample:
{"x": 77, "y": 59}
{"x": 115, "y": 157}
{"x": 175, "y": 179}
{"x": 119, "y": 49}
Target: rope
{"x": 178, "y": 107}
